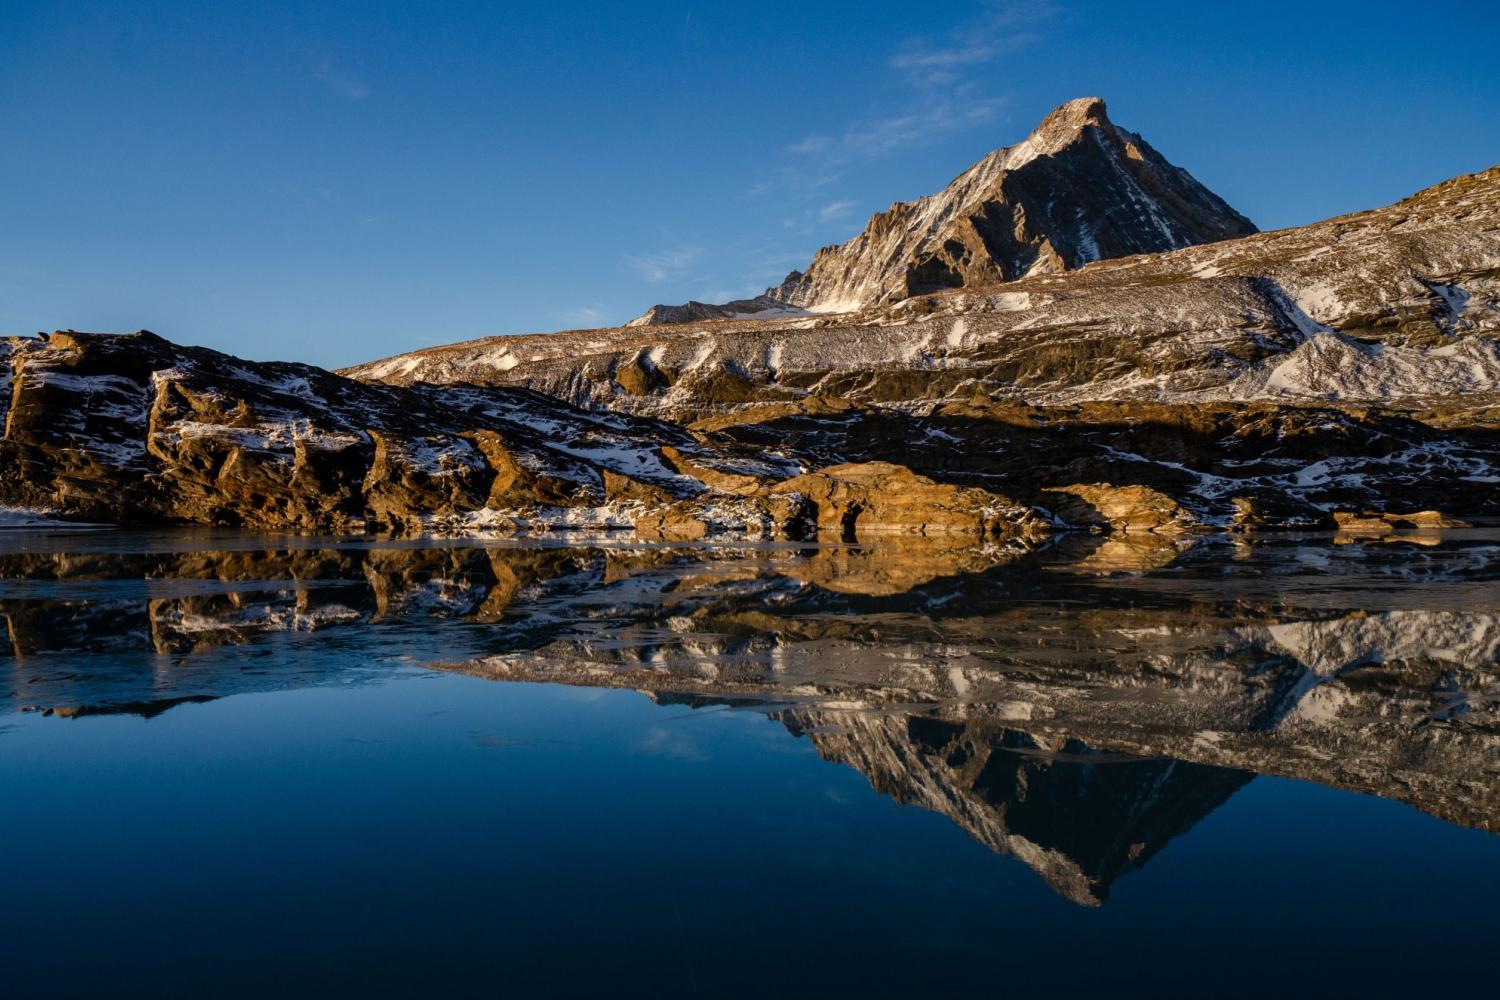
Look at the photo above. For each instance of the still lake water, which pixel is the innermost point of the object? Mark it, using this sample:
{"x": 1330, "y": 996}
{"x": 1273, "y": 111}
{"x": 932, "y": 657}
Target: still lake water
{"x": 241, "y": 765}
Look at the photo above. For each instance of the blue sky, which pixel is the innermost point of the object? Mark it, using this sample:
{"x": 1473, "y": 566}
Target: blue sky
{"x": 337, "y": 182}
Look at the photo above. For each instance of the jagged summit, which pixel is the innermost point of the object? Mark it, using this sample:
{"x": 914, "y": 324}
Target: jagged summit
{"x": 1078, "y": 112}
{"x": 1076, "y": 190}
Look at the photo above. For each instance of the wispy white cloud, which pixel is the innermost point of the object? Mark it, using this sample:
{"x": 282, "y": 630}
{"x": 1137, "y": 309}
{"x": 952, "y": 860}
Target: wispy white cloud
{"x": 341, "y": 82}
{"x": 1001, "y": 26}
{"x": 920, "y": 57}
{"x": 940, "y": 100}
{"x": 835, "y": 210}
{"x": 659, "y": 741}
{"x": 811, "y": 144}
{"x": 664, "y": 264}
{"x": 581, "y": 316}
{"x": 928, "y": 120}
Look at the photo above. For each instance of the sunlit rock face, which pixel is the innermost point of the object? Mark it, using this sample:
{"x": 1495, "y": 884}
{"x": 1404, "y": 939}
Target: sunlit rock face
{"x": 132, "y": 429}
{"x": 1327, "y": 376}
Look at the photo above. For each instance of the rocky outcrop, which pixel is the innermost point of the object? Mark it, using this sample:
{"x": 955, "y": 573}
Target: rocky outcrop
{"x": 135, "y": 429}
{"x": 783, "y": 516}
{"x": 861, "y": 501}
{"x": 132, "y": 428}
{"x": 1375, "y": 523}
{"x": 1258, "y": 466}
{"x": 761, "y": 307}
{"x": 846, "y": 503}
{"x": 1125, "y": 509}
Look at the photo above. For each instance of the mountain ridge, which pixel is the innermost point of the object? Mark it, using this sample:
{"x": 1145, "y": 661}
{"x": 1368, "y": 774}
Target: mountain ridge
{"x": 1400, "y": 295}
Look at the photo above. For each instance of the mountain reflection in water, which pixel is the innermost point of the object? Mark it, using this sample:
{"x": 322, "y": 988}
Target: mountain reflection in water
{"x": 1076, "y": 708}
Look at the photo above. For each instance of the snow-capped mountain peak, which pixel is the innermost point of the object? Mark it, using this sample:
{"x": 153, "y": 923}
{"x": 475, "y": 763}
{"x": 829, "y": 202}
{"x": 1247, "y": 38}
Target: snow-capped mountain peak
{"x": 1076, "y": 190}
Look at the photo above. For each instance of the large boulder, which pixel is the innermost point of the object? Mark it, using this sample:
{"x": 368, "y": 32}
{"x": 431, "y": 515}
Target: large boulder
{"x": 855, "y": 502}
{"x": 1119, "y": 508}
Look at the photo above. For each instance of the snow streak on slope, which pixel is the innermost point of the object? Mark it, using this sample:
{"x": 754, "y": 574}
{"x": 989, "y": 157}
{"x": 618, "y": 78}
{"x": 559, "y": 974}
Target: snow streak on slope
{"x": 1331, "y": 367}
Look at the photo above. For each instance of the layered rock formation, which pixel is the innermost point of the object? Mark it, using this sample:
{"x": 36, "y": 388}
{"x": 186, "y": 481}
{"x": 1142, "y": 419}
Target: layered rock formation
{"x": 1285, "y": 379}
{"x": 135, "y": 429}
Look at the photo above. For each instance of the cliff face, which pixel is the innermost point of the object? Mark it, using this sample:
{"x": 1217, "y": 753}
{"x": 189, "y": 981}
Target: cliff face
{"x": 134, "y": 429}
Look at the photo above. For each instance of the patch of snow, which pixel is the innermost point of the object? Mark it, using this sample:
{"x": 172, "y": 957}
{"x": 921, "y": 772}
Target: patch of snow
{"x": 956, "y": 334}
{"x": 1454, "y": 297}
{"x": 13, "y": 518}
{"x": 407, "y": 364}
{"x": 1011, "y": 301}
{"x": 441, "y": 456}
{"x": 1331, "y": 366}
{"x": 1321, "y": 302}
{"x": 502, "y": 360}
{"x": 848, "y": 303}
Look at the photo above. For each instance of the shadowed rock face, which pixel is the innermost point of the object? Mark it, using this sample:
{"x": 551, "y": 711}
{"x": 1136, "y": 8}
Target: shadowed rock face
{"x": 1251, "y": 466}
{"x": 133, "y": 429}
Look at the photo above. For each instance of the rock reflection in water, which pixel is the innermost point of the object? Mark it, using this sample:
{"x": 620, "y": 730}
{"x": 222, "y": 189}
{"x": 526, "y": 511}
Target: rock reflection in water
{"x": 1076, "y": 708}
{"x": 1078, "y": 817}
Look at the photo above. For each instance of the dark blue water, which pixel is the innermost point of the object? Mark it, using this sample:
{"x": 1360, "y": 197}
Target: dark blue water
{"x": 593, "y": 772}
